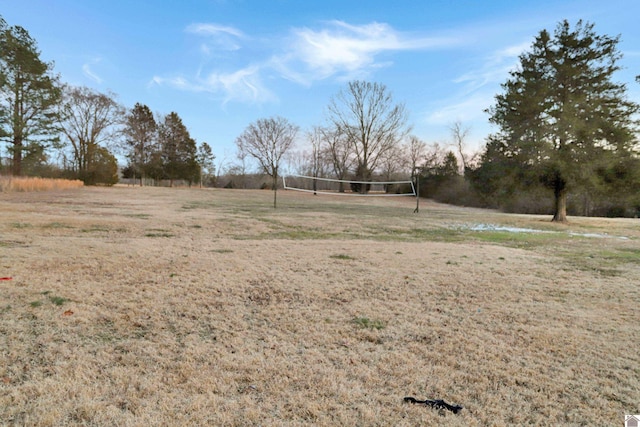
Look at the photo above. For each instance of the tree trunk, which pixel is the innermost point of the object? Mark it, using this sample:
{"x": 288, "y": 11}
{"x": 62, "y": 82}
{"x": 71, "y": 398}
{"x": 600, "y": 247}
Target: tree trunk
{"x": 275, "y": 190}
{"x": 560, "y": 193}
{"x": 17, "y": 157}
{"x": 275, "y": 195}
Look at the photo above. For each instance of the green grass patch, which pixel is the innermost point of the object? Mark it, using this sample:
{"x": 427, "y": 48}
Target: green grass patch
{"x": 155, "y": 234}
{"x": 58, "y": 300}
{"x": 35, "y": 304}
{"x": 222, "y": 251}
{"x": 13, "y": 244}
{"x": 158, "y": 232}
{"x": 140, "y": 216}
{"x": 522, "y": 240}
{"x": 417, "y": 234}
{"x": 96, "y": 229}
{"x": 623, "y": 255}
{"x": 366, "y": 323}
{"x": 57, "y": 225}
{"x": 20, "y": 225}
{"x": 341, "y": 256}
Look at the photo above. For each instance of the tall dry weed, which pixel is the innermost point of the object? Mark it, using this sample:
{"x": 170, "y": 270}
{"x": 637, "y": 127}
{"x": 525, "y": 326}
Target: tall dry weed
{"x": 27, "y": 184}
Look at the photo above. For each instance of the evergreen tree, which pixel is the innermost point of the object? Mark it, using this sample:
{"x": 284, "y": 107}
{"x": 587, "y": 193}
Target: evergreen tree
{"x": 561, "y": 115}
{"x": 178, "y": 150}
{"x": 206, "y": 158}
{"x": 140, "y": 132}
{"x": 29, "y": 95}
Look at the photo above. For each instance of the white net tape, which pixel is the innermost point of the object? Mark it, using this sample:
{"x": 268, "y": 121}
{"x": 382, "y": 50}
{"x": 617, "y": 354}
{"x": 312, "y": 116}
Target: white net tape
{"x": 343, "y": 187}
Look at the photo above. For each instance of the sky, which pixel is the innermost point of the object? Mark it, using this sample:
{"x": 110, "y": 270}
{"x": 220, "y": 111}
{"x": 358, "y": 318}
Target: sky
{"x": 223, "y": 64}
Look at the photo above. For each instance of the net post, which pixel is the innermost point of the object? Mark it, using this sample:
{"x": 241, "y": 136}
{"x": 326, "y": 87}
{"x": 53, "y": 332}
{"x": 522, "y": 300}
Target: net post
{"x": 417, "y": 190}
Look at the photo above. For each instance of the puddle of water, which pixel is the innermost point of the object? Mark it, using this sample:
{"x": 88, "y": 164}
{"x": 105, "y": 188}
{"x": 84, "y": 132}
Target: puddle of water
{"x": 492, "y": 227}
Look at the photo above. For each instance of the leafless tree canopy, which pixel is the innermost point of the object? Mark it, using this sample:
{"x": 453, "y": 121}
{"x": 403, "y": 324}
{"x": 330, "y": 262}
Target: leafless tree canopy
{"x": 370, "y": 120}
{"x": 337, "y": 151}
{"x": 89, "y": 120}
{"x": 416, "y": 152}
{"x": 459, "y": 134}
{"x": 267, "y": 141}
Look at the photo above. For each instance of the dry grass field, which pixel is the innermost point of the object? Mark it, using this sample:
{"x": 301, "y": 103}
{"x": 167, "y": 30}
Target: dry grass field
{"x": 134, "y": 306}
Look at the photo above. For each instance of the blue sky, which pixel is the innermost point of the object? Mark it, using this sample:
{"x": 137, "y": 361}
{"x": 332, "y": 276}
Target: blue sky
{"x": 222, "y": 64}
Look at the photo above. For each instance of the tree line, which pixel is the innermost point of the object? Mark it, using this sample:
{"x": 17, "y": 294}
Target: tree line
{"x": 40, "y": 115}
{"x": 567, "y": 140}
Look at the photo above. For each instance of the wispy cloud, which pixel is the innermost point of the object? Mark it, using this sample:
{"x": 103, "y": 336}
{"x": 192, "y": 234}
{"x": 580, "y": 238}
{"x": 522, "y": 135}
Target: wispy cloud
{"x": 88, "y": 71}
{"x": 244, "y": 85}
{"x": 213, "y": 29}
{"x": 217, "y": 37}
{"x": 464, "y": 109}
{"x": 477, "y": 87}
{"x": 494, "y": 69}
{"x": 344, "y": 51}
{"x": 336, "y": 50}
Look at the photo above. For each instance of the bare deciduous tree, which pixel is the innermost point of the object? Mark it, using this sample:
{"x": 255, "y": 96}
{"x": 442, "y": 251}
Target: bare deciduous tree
{"x": 416, "y": 154}
{"x": 338, "y": 153}
{"x": 267, "y": 141}
{"x": 391, "y": 164}
{"x": 372, "y": 123}
{"x": 316, "y": 139}
{"x": 459, "y": 133}
{"x": 90, "y": 121}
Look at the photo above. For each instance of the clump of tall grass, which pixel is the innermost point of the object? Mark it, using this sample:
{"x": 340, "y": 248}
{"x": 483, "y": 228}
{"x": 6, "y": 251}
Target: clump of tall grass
{"x": 25, "y": 184}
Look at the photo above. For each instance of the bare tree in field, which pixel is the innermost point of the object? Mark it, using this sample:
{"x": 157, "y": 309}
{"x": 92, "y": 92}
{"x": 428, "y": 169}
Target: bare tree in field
{"x": 391, "y": 165}
{"x": 267, "y": 141}
{"x": 416, "y": 151}
{"x": 337, "y": 150}
{"x": 373, "y": 124}
{"x": 459, "y": 134}
{"x": 90, "y": 121}
{"x": 241, "y": 166}
{"x": 316, "y": 140}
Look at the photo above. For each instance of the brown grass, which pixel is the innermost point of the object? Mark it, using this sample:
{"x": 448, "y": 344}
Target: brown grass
{"x": 156, "y": 306}
{"x": 27, "y": 184}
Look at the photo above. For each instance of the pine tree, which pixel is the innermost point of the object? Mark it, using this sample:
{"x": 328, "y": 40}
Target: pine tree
{"x": 140, "y": 132}
{"x": 178, "y": 150}
{"x": 29, "y": 95}
{"x": 561, "y": 115}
